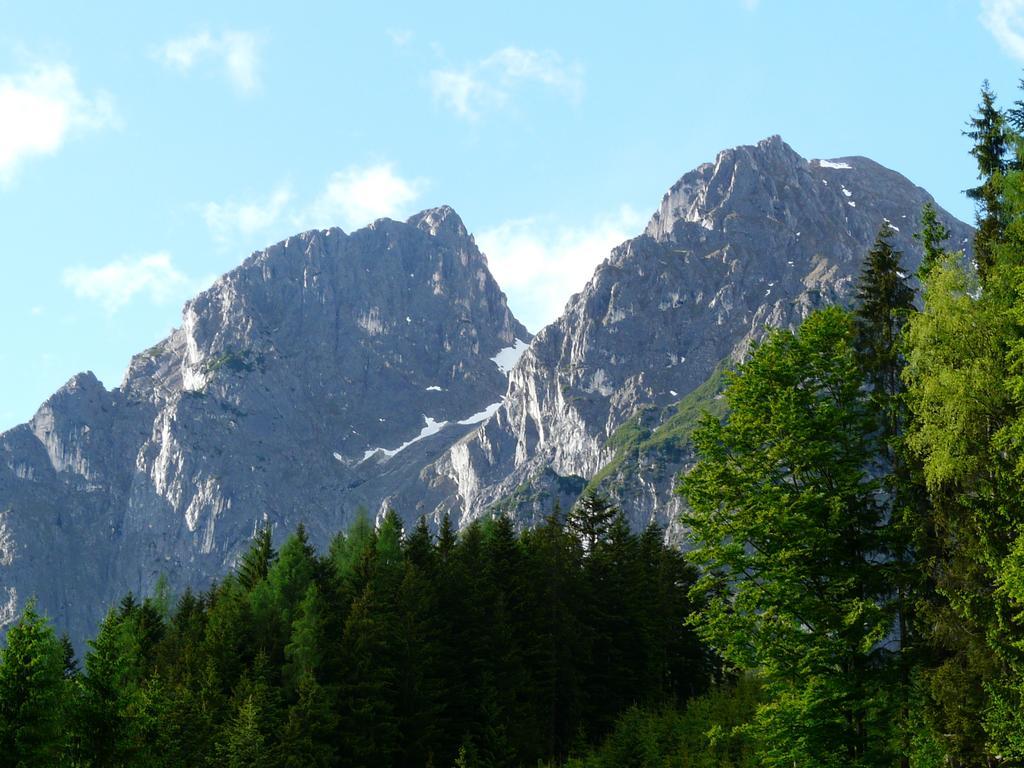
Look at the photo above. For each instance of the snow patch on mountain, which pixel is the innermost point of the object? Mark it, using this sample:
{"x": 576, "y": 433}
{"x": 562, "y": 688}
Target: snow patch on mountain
{"x": 507, "y": 358}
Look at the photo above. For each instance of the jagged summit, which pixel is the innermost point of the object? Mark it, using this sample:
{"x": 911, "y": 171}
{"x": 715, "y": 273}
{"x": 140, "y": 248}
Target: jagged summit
{"x": 286, "y": 374}
{"x": 440, "y": 221}
{"x": 756, "y": 239}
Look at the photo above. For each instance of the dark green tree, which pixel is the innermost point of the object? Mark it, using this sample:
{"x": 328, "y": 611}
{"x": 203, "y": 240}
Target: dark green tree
{"x": 257, "y": 560}
{"x": 932, "y": 235}
{"x": 309, "y": 738}
{"x": 32, "y": 693}
{"x": 987, "y": 130}
{"x": 590, "y": 518}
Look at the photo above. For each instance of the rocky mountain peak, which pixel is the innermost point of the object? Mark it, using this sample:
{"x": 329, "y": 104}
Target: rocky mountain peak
{"x": 756, "y": 239}
{"x": 442, "y": 221}
{"x": 702, "y": 196}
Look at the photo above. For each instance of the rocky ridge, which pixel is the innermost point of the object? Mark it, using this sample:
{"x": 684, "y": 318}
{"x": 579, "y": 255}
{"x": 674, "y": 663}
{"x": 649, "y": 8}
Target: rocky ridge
{"x": 312, "y": 380}
{"x": 383, "y": 368}
{"x": 755, "y": 240}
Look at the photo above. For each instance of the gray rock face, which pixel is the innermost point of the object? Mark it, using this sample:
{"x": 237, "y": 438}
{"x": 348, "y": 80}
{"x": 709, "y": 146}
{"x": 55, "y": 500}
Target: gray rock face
{"x": 757, "y": 239}
{"x": 315, "y": 378}
{"x": 335, "y": 370}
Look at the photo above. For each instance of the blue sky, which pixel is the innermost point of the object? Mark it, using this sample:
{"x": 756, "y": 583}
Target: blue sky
{"x": 146, "y": 150}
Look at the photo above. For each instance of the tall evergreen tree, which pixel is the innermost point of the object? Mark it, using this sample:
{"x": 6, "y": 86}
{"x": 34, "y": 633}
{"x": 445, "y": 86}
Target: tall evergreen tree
{"x": 590, "y": 518}
{"x": 884, "y": 302}
{"x": 255, "y": 563}
{"x": 932, "y": 235}
{"x": 987, "y": 130}
{"x": 32, "y": 693}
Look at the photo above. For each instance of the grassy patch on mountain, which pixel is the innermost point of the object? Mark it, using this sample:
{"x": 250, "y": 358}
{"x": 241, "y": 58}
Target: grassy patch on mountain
{"x": 665, "y": 432}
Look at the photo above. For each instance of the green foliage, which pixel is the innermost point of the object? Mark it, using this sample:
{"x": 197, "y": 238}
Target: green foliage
{"x": 235, "y": 361}
{"x": 711, "y": 732}
{"x": 32, "y": 693}
{"x": 932, "y": 235}
{"x": 492, "y": 648}
{"x": 987, "y": 129}
{"x": 791, "y": 541}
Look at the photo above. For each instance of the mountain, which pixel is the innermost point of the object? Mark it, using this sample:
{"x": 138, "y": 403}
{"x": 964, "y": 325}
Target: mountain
{"x": 315, "y": 378}
{"x": 383, "y": 368}
{"x": 609, "y": 392}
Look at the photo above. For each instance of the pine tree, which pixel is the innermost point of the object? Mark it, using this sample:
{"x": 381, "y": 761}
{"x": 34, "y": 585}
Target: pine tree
{"x": 257, "y": 560}
{"x": 590, "y": 518}
{"x": 555, "y": 649}
{"x": 931, "y": 237}
{"x": 988, "y": 132}
{"x": 32, "y": 693}
{"x": 309, "y": 737}
{"x": 348, "y": 549}
{"x": 244, "y": 743}
{"x": 884, "y": 301}
{"x": 111, "y": 723}
{"x": 369, "y": 686}
{"x": 305, "y": 652}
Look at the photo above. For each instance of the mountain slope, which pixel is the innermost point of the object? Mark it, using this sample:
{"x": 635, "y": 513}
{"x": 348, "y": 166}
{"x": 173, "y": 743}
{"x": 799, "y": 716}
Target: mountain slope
{"x": 319, "y": 375}
{"x": 757, "y": 239}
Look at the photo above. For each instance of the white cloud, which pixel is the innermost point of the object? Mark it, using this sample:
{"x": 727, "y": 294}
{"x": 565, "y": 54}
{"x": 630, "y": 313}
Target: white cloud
{"x": 238, "y": 53}
{"x": 1005, "y": 20}
{"x": 114, "y": 285}
{"x": 464, "y": 92}
{"x": 41, "y": 109}
{"x": 491, "y": 81}
{"x": 225, "y": 219}
{"x": 750, "y": 5}
{"x": 540, "y": 265}
{"x": 357, "y": 196}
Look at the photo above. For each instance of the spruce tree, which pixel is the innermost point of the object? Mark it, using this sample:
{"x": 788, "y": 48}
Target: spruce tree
{"x": 244, "y": 744}
{"x": 32, "y": 693}
{"x": 306, "y": 651}
{"x": 255, "y": 563}
{"x": 309, "y": 737}
{"x": 988, "y": 132}
{"x": 590, "y": 518}
{"x": 932, "y": 235}
{"x": 884, "y": 301}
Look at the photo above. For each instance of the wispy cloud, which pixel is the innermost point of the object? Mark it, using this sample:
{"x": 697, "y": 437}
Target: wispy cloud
{"x": 490, "y": 82}
{"x": 41, "y": 109}
{"x": 350, "y": 199}
{"x": 1005, "y": 20}
{"x": 357, "y": 196}
{"x": 114, "y": 285}
{"x": 750, "y": 5}
{"x": 237, "y": 52}
{"x": 540, "y": 264}
{"x": 229, "y": 218}
{"x": 400, "y": 37}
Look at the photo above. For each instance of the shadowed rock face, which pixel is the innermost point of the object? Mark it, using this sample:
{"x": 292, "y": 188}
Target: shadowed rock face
{"x": 757, "y": 239}
{"x": 268, "y": 404}
{"x": 336, "y": 370}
